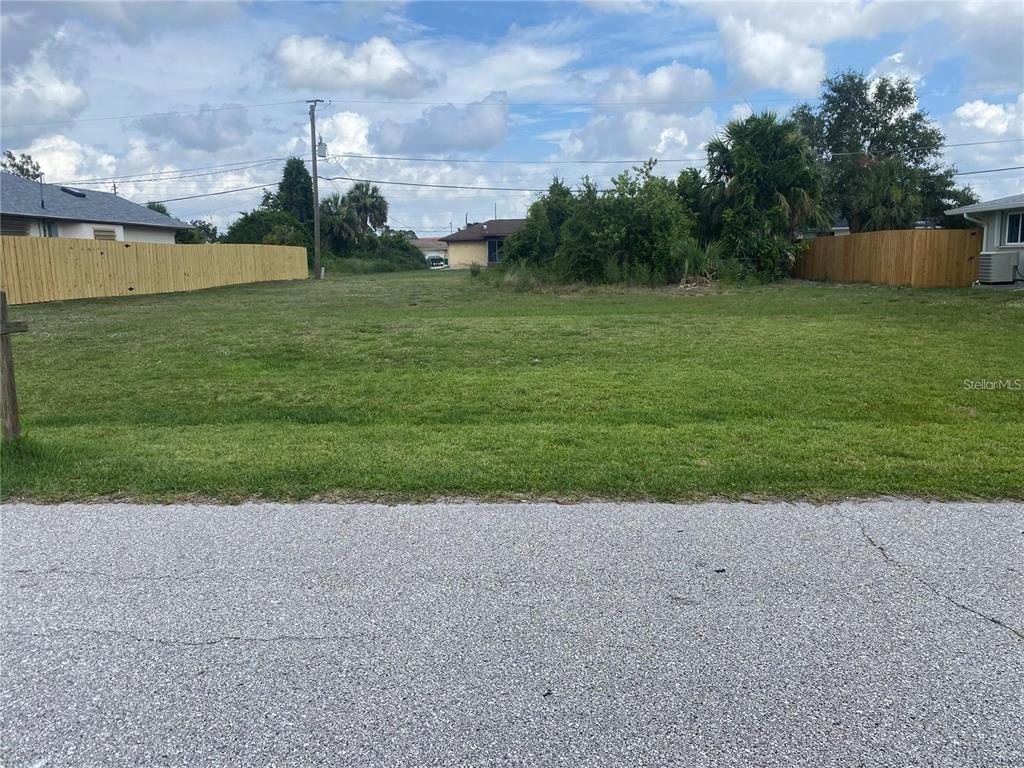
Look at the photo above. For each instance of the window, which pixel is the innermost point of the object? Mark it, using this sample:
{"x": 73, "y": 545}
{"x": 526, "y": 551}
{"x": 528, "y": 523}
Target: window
{"x": 1014, "y": 225}
{"x": 50, "y": 229}
{"x": 104, "y": 234}
{"x": 494, "y": 251}
{"x": 14, "y": 227}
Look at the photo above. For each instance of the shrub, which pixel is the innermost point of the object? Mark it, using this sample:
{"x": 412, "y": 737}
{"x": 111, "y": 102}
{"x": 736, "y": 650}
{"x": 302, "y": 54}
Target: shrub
{"x": 390, "y": 251}
{"x": 268, "y": 227}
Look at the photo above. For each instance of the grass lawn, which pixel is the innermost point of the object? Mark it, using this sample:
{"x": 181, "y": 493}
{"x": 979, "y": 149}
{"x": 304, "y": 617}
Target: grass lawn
{"x": 416, "y": 385}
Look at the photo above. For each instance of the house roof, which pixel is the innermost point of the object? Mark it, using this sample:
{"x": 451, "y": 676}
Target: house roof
{"x": 429, "y": 243}
{"x": 24, "y": 197}
{"x": 1000, "y": 204}
{"x": 491, "y": 228}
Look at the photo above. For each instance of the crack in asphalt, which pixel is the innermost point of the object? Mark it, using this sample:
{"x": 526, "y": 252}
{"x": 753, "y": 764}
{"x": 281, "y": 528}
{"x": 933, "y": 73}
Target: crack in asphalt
{"x": 172, "y": 641}
{"x": 893, "y": 562}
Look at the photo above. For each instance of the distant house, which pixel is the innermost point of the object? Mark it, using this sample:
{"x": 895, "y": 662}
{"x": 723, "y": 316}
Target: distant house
{"x": 31, "y": 209}
{"x": 1002, "y": 242}
{"x": 481, "y": 243}
{"x": 430, "y": 246}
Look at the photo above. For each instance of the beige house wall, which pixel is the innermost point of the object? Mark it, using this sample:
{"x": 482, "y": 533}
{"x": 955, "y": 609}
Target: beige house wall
{"x": 465, "y": 254}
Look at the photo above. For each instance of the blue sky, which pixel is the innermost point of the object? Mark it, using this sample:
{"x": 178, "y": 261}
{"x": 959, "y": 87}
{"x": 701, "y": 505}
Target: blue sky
{"x": 550, "y": 88}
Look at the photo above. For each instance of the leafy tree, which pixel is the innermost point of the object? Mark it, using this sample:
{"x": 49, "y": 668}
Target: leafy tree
{"x": 540, "y": 236}
{"x": 21, "y": 165}
{"x": 369, "y": 205}
{"x": 201, "y": 231}
{"x": 863, "y": 127}
{"x": 294, "y": 192}
{"x": 695, "y": 193}
{"x": 269, "y": 228}
{"x": 204, "y": 231}
{"x": 764, "y": 186}
{"x": 627, "y": 233}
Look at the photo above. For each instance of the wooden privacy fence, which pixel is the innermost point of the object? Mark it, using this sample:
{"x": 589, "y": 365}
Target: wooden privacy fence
{"x": 36, "y": 269}
{"x": 922, "y": 258}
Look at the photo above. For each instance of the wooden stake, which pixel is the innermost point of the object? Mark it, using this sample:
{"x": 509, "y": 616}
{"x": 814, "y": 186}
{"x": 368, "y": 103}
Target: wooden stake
{"x": 8, "y": 393}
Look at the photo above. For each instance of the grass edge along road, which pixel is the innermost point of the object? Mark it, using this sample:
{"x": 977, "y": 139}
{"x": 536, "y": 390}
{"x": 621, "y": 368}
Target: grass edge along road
{"x": 414, "y": 386}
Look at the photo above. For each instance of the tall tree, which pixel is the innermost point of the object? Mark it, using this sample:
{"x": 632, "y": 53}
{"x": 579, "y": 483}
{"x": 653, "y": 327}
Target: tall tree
{"x": 339, "y": 223}
{"x": 159, "y": 208}
{"x": 370, "y": 207}
{"x": 295, "y": 191}
{"x": 21, "y": 165}
{"x": 862, "y": 129}
{"x": 765, "y": 186}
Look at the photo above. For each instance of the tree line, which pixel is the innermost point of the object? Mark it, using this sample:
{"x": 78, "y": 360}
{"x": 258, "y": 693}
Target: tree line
{"x": 866, "y": 155}
{"x": 354, "y": 230}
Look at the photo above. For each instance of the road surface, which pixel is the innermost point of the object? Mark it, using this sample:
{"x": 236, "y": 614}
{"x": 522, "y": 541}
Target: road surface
{"x": 883, "y": 633}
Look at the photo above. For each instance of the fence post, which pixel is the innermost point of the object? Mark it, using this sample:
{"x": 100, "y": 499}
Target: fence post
{"x": 8, "y": 394}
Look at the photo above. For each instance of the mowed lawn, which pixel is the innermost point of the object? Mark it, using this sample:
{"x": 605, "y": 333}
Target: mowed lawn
{"x": 422, "y": 385}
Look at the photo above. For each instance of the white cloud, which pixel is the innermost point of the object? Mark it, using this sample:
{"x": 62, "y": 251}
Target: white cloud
{"x": 772, "y": 59}
{"x": 524, "y": 70}
{"x": 345, "y": 132}
{"x": 480, "y": 125}
{"x": 36, "y": 93}
{"x": 208, "y": 128}
{"x": 641, "y": 133}
{"x": 64, "y": 159}
{"x": 897, "y": 66}
{"x": 375, "y": 67}
{"x": 994, "y": 119}
{"x": 979, "y": 120}
{"x": 660, "y": 90}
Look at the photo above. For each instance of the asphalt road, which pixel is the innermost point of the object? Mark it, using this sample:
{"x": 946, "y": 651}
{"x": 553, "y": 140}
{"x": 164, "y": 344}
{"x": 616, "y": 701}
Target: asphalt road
{"x": 886, "y": 633}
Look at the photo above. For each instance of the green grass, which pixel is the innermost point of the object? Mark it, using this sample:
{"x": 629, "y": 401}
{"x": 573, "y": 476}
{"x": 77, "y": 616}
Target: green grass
{"x": 417, "y": 385}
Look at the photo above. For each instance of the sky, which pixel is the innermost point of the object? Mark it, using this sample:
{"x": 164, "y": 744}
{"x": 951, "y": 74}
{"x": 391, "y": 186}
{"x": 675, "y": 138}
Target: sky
{"x": 183, "y": 99}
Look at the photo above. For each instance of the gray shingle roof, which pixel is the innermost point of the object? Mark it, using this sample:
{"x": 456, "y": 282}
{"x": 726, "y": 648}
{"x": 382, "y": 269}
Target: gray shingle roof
{"x": 492, "y": 228}
{"x": 21, "y": 197}
{"x": 1002, "y": 203}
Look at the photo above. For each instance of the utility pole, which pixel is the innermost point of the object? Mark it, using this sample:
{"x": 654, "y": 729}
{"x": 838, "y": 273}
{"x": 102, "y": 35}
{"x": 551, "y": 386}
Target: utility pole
{"x": 115, "y": 187}
{"x": 316, "y": 187}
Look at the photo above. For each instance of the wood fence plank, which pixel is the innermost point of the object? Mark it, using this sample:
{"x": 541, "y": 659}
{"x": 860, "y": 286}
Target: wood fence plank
{"x": 36, "y": 269}
{"x": 920, "y": 258}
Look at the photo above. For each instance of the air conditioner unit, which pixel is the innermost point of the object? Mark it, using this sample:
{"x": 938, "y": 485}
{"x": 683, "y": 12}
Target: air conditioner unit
{"x": 996, "y": 267}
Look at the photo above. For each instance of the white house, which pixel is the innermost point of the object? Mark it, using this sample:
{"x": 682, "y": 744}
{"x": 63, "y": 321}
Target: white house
{"x": 32, "y": 209}
{"x": 1002, "y": 243}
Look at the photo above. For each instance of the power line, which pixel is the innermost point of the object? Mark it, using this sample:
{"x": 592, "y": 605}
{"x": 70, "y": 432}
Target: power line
{"x": 243, "y": 163}
{"x": 597, "y": 103}
{"x": 990, "y": 170}
{"x": 152, "y": 114}
{"x": 611, "y": 162}
{"x": 463, "y": 186}
{"x": 517, "y": 162}
{"x": 434, "y": 186}
{"x": 210, "y": 194}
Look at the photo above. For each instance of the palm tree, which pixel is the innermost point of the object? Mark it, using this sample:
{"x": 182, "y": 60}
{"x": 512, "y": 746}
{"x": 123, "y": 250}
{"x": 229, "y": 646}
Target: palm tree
{"x": 887, "y": 198}
{"x": 339, "y": 222}
{"x": 768, "y": 162}
{"x": 370, "y": 207}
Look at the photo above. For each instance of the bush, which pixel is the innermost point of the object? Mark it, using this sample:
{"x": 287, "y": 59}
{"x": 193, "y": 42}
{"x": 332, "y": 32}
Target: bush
{"x": 622, "y": 235}
{"x": 267, "y": 227}
{"x": 386, "y": 252}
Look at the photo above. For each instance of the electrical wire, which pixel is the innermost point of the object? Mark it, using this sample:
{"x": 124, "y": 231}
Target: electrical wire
{"x": 480, "y": 188}
{"x": 990, "y": 170}
{"x": 432, "y": 186}
{"x": 153, "y": 114}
